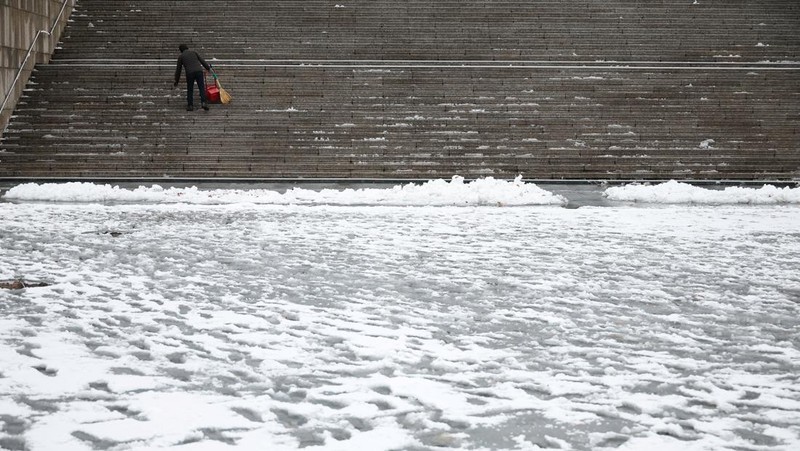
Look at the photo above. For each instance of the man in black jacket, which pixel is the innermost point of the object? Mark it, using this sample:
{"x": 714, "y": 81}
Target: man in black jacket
{"x": 194, "y": 65}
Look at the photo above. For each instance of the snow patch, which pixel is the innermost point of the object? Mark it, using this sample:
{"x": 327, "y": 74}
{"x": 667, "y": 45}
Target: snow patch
{"x": 457, "y": 191}
{"x": 674, "y": 192}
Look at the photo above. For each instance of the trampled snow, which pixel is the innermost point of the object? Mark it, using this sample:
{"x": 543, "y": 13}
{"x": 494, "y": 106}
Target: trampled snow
{"x": 194, "y": 319}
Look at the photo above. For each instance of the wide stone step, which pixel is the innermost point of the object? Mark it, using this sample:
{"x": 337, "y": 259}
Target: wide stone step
{"x": 379, "y": 29}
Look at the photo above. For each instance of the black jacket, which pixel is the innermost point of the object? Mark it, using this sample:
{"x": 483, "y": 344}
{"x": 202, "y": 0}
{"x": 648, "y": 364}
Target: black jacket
{"x": 192, "y": 61}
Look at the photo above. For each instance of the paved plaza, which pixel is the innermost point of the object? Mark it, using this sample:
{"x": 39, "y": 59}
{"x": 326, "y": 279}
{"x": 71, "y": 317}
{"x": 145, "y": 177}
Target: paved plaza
{"x": 614, "y": 325}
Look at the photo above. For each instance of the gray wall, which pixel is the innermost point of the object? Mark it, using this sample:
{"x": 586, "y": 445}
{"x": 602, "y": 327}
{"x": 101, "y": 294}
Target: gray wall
{"x": 20, "y": 20}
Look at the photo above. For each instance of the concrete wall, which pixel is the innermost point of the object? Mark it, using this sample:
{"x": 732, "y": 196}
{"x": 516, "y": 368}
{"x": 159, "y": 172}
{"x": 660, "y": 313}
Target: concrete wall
{"x": 20, "y": 21}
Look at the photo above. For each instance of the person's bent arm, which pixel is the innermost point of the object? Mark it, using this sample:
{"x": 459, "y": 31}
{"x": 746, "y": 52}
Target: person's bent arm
{"x": 203, "y": 62}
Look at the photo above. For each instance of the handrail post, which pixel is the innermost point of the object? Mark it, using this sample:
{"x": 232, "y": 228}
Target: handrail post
{"x": 5, "y": 116}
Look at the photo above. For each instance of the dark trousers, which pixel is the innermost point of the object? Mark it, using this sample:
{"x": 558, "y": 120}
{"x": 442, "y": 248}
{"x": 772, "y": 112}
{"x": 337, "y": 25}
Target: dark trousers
{"x": 201, "y": 85}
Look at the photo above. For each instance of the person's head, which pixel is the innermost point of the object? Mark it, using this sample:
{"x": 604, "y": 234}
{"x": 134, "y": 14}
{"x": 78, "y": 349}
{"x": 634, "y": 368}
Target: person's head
{"x": 183, "y": 47}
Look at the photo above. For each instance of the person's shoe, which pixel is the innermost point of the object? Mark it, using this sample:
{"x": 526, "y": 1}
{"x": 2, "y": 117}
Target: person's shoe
{"x": 205, "y": 106}
{"x": 190, "y": 108}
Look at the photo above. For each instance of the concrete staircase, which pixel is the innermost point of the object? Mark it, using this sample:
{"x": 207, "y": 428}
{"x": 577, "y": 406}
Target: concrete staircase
{"x": 372, "y": 89}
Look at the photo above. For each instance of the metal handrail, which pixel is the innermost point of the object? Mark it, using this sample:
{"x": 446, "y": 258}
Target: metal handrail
{"x": 30, "y": 51}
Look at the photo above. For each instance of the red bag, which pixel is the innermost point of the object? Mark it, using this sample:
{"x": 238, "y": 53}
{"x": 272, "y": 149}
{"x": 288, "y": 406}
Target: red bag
{"x": 212, "y": 91}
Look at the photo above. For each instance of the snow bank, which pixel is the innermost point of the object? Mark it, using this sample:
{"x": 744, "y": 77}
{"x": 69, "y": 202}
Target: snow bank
{"x": 455, "y": 192}
{"x": 673, "y": 192}
{"x": 487, "y": 191}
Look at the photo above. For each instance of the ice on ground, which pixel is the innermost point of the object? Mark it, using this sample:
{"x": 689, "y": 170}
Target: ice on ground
{"x": 265, "y": 326}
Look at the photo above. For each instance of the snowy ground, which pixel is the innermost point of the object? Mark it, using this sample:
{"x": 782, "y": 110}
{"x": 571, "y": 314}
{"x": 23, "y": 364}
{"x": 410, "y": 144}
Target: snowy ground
{"x": 432, "y": 317}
